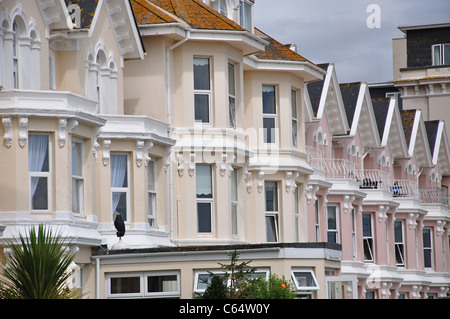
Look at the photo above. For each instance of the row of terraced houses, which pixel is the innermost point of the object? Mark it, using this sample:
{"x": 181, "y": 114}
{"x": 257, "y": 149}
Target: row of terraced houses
{"x": 208, "y": 135}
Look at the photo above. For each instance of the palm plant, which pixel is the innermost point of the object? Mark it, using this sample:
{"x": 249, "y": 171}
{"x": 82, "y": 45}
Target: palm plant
{"x": 36, "y": 268}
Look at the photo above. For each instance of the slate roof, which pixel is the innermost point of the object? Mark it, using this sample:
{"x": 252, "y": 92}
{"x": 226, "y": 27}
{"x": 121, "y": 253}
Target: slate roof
{"x": 408, "y": 117}
{"x": 277, "y": 51}
{"x": 87, "y": 11}
{"x": 315, "y": 90}
{"x": 432, "y": 129}
{"x": 350, "y": 92}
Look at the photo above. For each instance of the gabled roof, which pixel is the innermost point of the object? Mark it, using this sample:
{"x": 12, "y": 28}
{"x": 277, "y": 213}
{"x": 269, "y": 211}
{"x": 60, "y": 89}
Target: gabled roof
{"x": 439, "y": 145}
{"x": 416, "y": 133}
{"x": 390, "y": 126}
{"x": 325, "y": 97}
{"x": 360, "y": 114}
{"x": 147, "y": 13}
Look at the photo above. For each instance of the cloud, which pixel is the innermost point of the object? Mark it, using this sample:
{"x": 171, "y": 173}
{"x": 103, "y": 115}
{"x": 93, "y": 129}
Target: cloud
{"x": 337, "y": 31}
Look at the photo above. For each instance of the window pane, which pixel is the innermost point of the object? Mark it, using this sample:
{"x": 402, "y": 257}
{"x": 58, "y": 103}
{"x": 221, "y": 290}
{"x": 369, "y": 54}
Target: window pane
{"x": 446, "y": 54}
{"x": 269, "y": 130}
{"x": 201, "y": 74}
{"x": 305, "y": 279}
{"x": 38, "y": 160}
{"x": 119, "y": 171}
{"x": 203, "y": 181}
{"x": 202, "y": 108}
{"x": 231, "y": 80}
{"x": 269, "y": 99}
{"x": 152, "y": 209}
{"x": 398, "y": 231}
{"x": 234, "y": 219}
{"x": 151, "y": 178}
{"x": 426, "y": 237}
{"x": 77, "y": 161}
{"x": 39, "y": 199}
{"x": 77, "y": 195}
{"x": 271, "y": 196}
{"x": 436, "y": 54}
{"x": 234, "y": 186}
{"x": 294, "y": 132}
{"x": 162, "y": 283}
{"x": 368, "y": 249}
{"x": 126, "y": 285}
{"x": 232, "y": 111}
{"x": 294, "y": 103}
{"x": 427, "y": 258}
{"x": 120, "y": 203}
{"x": 204, "y": 217}
{"x": 367, "y": 225}
{"x": 271, "y": 229}
{"x": 331, "y": 211}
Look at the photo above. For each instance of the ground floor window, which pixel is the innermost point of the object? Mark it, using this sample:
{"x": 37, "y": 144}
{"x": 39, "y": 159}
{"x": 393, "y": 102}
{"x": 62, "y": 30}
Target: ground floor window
{"x": 164, "y": 284}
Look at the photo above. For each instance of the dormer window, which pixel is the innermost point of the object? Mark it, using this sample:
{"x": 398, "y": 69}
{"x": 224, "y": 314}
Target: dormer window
{"x": 245, "y": 15}
{"x": 223, "y": 9}
{"x": 441, "y": 54}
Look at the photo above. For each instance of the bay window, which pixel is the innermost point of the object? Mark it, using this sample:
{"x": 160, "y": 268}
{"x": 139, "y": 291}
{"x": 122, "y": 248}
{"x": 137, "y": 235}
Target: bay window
{"x": 269, "y": 113}
{"x": 202, "y": 90}
{"x": 77, "y": 176}
{"x": 39, "y": 167}
{"x": 151, "y": 188}
{"x": 204, "y": 198}
{"x": 271, "y": 194}
{"x": 119, "y": 184}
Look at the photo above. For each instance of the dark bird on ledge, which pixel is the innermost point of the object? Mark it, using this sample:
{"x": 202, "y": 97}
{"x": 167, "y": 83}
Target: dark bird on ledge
{"x": 119, "y": 224}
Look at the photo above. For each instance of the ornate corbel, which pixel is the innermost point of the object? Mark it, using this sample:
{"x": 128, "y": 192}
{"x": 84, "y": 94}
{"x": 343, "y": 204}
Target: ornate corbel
{"x": 223, "y": 165}
{"x": 311, "y": 192}
{"x": 140, "y": 153}
{"x": 440, "y": 227}
{"x": 62, "y": 125}
{"x": 95, "y": 144}
{"x": 72, "y": 125}
{"x": 106, "y": 152}
{"x": 23, "y": 132}
{"x": 294, "y": 184}
{"x": 180, "y": 168}
{"x": 288, "y": 181}
{"x": 260, "y": 181}
{"x": 248, "y": 179}
{"x": 191, "y": 164}
{"x": 348, "y": 200}
{"x": 8, "y": 136}
{"x": 167, "y": 158}
{"x": 412, "y": 220}
{"x": 382, "y": 213}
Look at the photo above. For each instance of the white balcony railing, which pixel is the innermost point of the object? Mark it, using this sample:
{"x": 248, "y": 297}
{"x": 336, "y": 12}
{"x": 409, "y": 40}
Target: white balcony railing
{"x": 433, "y": 195}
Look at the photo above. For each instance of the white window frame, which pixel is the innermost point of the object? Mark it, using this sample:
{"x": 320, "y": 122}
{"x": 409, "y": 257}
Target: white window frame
{"x": 369, "y": 239}
{"x": 317, "y": 219}
{"x": 47, "y": 175}
{"x": 79, "y": 179}
{"x": 242, "y": 16}
{"x": 51, "y": 70}
{"x": 143, "y": 285}
{"x": 232, "y": 95}
{"x": 265, "y": 272}
{"x": 443, "y": 47}
{"x": 294, "y": 106}
{"x": 204, "y": 92}
{"x": 274, "y": 116}
{"x": 209, "y": 201}
{"x": 430, "y": 248}
{"x": 399, "y": 246}
{"x": 15, "y": 52}
{"x": 235, "y": 204}
{"x": 152, "y": 205}
{"x": 125, "y": 190}
{"x": 297, "y": 284}
{"x": 274, "y": 215}
{"x": 334, "y": 231}
{"x": 354, "y": 238}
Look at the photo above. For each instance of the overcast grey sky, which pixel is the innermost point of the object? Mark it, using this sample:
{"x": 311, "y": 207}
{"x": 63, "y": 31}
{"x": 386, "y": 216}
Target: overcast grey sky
{"x": 337, "y": 31}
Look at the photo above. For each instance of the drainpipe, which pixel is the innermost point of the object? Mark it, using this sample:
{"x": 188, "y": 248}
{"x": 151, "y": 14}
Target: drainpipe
{"x": 97, "y": 277}
{"x": 170, "y": 120}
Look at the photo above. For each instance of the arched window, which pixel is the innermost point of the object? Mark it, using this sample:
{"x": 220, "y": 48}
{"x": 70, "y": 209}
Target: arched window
{"x": 15, "y": 56}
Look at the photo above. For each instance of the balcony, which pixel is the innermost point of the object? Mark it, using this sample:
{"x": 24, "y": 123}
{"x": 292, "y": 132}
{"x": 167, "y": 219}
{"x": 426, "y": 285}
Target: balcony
{"x": 433, "y": 195}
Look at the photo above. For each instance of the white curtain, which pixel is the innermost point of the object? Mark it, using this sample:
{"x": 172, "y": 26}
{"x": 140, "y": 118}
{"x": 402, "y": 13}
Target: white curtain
{"x": 118, "y": 174}
{"x": 37, "y": 151}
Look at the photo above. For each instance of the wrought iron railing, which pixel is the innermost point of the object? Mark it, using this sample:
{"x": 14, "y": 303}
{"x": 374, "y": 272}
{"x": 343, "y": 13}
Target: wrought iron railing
{"x": 433, "y": 195}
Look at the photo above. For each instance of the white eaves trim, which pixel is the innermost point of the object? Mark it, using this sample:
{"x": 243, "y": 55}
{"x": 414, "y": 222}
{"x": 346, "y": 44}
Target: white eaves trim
{"x": 419, "y": 141}
{"x": 394, "y": 128}
{"x": 308, "y": 71}
{"x": 55, "y": 14}
{"x": 441, "y": 154}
